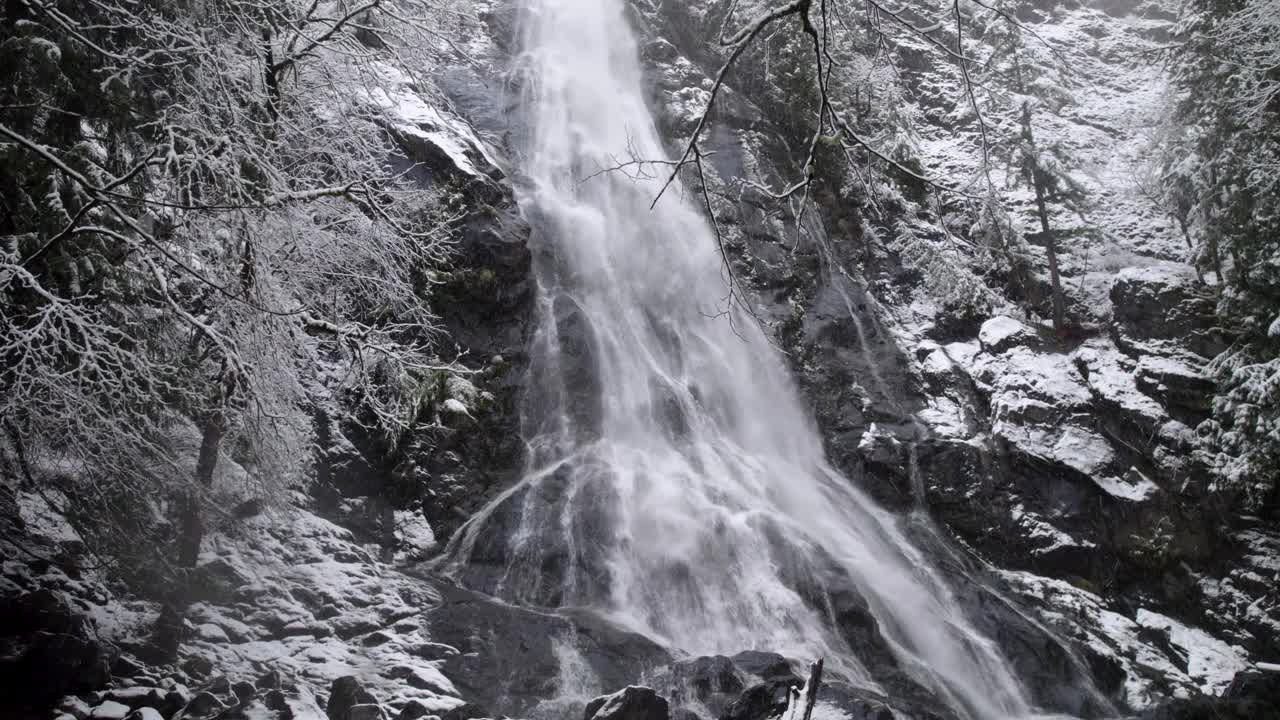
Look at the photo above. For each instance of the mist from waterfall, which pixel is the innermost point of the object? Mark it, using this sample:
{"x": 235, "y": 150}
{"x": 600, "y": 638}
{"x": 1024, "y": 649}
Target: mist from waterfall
{"x": 675, "y": 482}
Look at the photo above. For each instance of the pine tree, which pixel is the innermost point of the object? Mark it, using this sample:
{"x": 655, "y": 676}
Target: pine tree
{"x": 1020, "y": 79}
{"x": 1225, "y": 166}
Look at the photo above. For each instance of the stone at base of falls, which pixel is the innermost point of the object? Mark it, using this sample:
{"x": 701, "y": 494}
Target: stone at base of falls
{"x": 630, "y": 703}
{"x": 763, "y": 700}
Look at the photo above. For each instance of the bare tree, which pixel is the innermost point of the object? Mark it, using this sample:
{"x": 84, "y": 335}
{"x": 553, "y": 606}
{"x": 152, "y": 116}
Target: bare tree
{"x": 202, "y": 231}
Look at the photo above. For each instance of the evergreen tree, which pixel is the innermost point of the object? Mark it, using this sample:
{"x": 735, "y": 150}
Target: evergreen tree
{"x": 1020, "y": 78}
{"x": 1225, "y": 167}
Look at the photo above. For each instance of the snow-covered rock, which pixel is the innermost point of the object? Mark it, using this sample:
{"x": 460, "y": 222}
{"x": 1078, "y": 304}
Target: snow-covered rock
{"x": 109, "y": 710}
{"x": 1002, "y": 332}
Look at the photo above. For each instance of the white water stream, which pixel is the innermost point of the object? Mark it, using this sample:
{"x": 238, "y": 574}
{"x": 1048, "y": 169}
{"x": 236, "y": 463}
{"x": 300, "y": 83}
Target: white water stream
{"x": 676, "y": 483}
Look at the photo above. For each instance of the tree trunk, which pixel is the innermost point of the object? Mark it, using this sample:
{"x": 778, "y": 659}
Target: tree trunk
{"x": 215, "y": 427}
{"x": 1038, "y": 181}
{"x": 815, "y": 681}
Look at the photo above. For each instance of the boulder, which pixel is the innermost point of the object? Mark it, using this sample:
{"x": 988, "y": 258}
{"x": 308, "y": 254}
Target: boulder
{"x": 146, "y": 713}
{"x": 345, "y": 694}
{"x": 269, "y": 680}
{"x": 73, "y": 706}
{"x": 1163, "y": 303}
{"x": 197, "y": 666}
{"x": 630, "y": 703}
{"x": 50, "y": 650}
{"x": 760, "y": 701}
{"x": 203, "y": 704}
{"x": 413, "y": 710}
{"x": 52, "y": 665}
{"x": 137, "y": 696}
{"x": 209, "y": 632}
{"x": 1001, "y": 333}
{"x": 244, "y": 691}
{"x": 110, "y": 710}
{"x": 40, "y": 611}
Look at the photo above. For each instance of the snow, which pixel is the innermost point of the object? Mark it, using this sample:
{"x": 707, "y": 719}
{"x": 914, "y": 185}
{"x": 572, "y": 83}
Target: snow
{"x": 417, "y": 117}
{"x": 1084, "y": 450}
{"x": 1210, "y": 662}
{"x": 1001, "y": 332}
{"x": 311, "y": 598}
{"x": 1110, "y": 375}
{"x": 42, "y": 518}
{"x": 454, "y": 406}
{"x": 210, "y": 632}
{"x": 1084, "y": 617}
{"x": 109, "y": 710}
{"x": 1043, "y": 534}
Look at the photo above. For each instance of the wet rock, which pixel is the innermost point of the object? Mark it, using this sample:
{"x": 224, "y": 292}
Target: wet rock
{"x": 765, "y": 665}
{"x": 760, "y": 701}
{"x": 630, "y": 703}
{"x": 345, "y": 694}
{"x": 509, "y": 659}
{"x": 710, "y": 681}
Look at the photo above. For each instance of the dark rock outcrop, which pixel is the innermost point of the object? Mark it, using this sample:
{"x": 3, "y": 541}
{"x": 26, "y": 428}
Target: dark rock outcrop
{"x": 1252, "y": 695}
{"x": 345, "y": 695}
{"x": 630, "y": 703}
{"x": 47, "y": 650}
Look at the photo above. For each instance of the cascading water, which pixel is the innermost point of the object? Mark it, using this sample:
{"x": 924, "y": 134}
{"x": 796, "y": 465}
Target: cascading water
{"x": 675, "y": 483}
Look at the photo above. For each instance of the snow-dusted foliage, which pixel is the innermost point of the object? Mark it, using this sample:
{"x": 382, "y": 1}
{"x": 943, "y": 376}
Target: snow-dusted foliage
{"x": 206, "y": 232}
{"x": 1221, "y": 161}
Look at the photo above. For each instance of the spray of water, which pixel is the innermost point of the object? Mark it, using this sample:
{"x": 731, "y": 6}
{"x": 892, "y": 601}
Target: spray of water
{"x": 676, "y": 483}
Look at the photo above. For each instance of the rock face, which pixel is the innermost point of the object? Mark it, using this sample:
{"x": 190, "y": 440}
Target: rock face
{"x": 630, "y": 703}
{"x": 48, "y": 650}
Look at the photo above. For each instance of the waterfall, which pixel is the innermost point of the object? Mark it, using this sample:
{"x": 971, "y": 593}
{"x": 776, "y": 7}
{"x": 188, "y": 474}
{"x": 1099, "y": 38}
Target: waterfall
{"x": 675, "y": 483}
